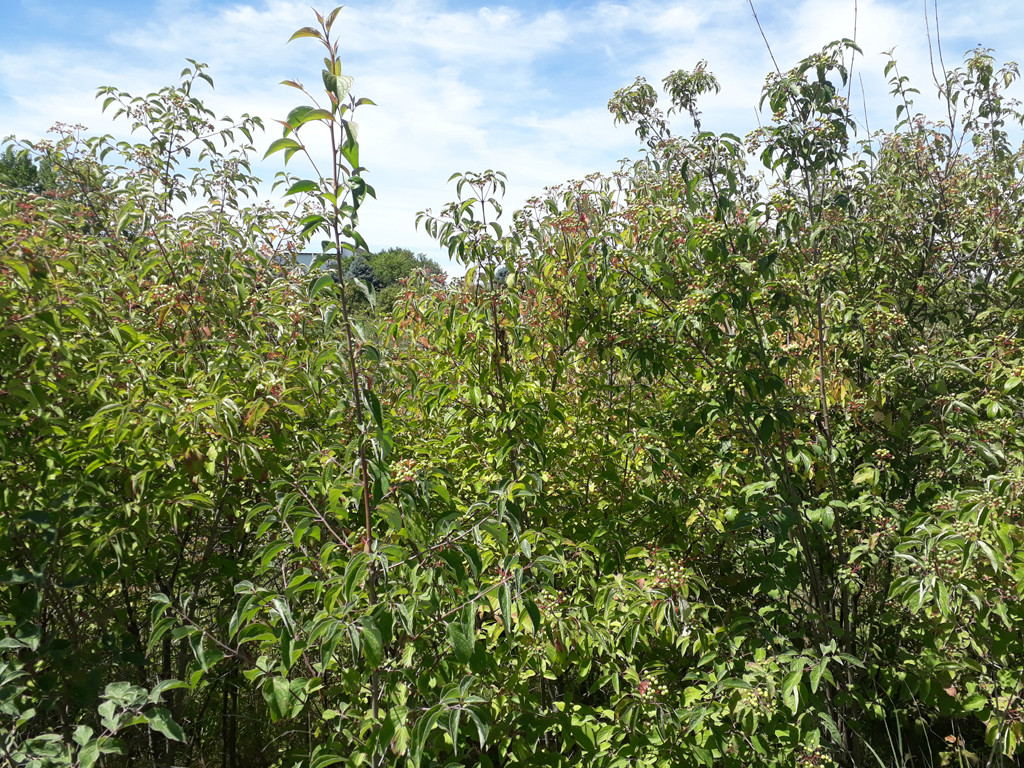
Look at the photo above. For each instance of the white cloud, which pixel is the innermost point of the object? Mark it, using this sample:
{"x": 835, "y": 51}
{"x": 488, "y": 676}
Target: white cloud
{"x": 492, "y": 86}
{"x": 483, "y": 37}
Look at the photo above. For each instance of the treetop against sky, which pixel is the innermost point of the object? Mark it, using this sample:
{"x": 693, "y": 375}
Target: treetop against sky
{"x": 461, "y": 85}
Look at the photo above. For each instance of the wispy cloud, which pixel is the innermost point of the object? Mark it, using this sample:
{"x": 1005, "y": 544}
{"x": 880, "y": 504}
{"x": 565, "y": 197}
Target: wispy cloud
{"x": 517, "y": 86}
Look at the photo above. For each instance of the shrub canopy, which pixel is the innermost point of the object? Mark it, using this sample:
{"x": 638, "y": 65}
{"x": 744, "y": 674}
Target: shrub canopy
{"x": 697, "y": 466}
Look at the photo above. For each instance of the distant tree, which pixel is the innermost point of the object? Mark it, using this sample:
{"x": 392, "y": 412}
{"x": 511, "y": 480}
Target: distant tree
{"x": 393, "y": 264}
{"x": 360, "y": 269}
{"x": 19, "y": 171}
{"x": 384, "y": 272}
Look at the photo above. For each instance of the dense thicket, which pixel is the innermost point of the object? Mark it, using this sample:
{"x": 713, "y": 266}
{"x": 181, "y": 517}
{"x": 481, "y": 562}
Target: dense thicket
{"x": 696, "y": 467}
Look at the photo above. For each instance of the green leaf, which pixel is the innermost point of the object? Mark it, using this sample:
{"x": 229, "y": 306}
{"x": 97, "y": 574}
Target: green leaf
{"x": 89, "y": 754}
{"x": 164, "y": 685}
{"x": 975, "y": 702}
{"x": 324, "y": 760}
{"x": 702, "y": 754}
{"x": 373, "y": 646}
{"x": 350, "y": 151}
{"x": 285, "y": 697}
{"x": 531, "y": 608}
{"x": 866, "y": 474}
{"x": 452, "y": 726}
{"x": 311, "y": 222}
{"x": 343, "y": 86}
{"x": 304, "y": 185}
{"x": 321, "y": 282}
{"x": 462, "y": 640}
{"x": 816, "y": 674}
{"x": 505, "y": 603}
{"x": 421, "y": 731}
{"x": 280, "y": 144}
{"x": 482, "y": 726}
{"x": 731, "y": 683}
{"x": 302, "y": 115}
{"x": 331, "y": 17}
{"x": 355, "y": 572}
{"x": 373, "y": 404}
{"x": 329, "y": 80}
{"x": 160, "y": 720}
{"x": 791, "y": 689}
{"x": 273, "y": 551}
{"x": 306, "y": 32}
{"x": 830, "y": 726}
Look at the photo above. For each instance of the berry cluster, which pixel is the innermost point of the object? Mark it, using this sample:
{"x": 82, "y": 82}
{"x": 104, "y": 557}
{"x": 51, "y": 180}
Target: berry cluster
{"x": 968, "y": 529}
{"x": 816, "y": 757}
{"x": 671, "y": 577}
{"x": 648, "y": 689}
{"x": 756, "y": 699}
{"x": 882, "y": 455}
{"x": 404, "y": 471}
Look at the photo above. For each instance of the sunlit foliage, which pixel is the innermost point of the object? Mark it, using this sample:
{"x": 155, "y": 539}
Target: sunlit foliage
{"x": 698, "y": 465}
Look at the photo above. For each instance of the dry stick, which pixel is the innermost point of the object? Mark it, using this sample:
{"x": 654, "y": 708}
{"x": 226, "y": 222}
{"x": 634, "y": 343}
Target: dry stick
{"x": 807, "y": 187}
{"x": 812, "y": 573}
{"x": 763, "y": 37}
{"x": 822, "y": 371}
{"x": 864, "y": 100}
{"x": 803, "y": 174}
{"x": 931, "y": 60}
{"x": 853, "y": 58}
{"x": 496, "y": 357}
{"x": 845, "y": 617}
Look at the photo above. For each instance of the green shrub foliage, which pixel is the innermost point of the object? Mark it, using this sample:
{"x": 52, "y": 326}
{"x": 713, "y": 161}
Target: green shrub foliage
{"x": 698, "y": 465}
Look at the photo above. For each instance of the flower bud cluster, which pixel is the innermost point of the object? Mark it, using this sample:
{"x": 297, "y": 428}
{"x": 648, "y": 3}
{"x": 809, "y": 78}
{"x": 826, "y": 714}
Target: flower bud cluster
{"x": 886, "y": 525}
{"x": 707, "y": 234}
{"x": 270, "y": 390}
{"x": 883, "y": 322}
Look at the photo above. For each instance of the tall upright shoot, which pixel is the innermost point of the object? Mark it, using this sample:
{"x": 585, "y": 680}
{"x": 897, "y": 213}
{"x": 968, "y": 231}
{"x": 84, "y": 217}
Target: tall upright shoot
{"x": 333, "y": 200}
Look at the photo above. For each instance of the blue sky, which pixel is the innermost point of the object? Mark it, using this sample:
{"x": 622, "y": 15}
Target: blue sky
{"x": 521, "y": 87}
